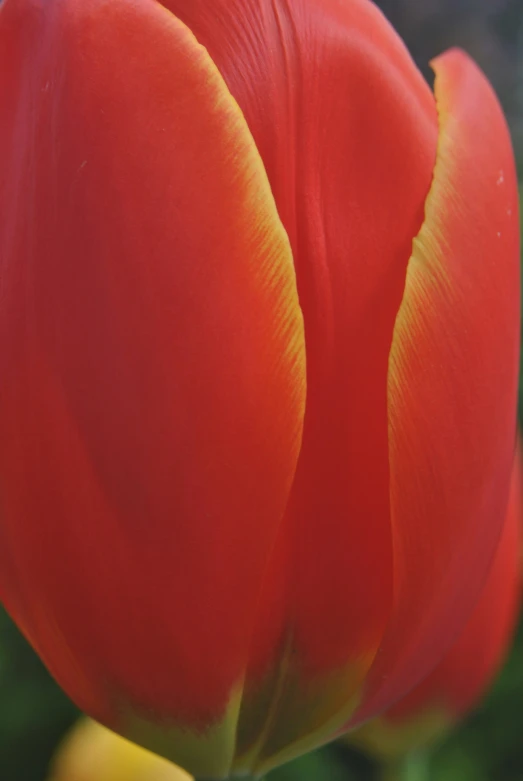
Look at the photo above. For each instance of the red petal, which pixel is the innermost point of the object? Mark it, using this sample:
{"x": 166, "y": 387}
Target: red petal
{"x": 452, "y": 384}
{"x": 467, "y": 670}
{"x": 151, "y": 353}
{"x": 347, "y": 131}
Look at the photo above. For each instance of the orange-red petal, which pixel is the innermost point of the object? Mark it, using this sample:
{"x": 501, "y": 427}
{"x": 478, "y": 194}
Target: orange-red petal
{"x": 467, "y": 670}
{"x": 347, "y": 130}
{"x": 452, "y": 384}
{"x": 151, "y": 353}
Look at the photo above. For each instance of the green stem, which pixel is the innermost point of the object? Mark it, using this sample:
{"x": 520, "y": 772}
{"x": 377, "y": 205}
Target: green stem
{"x": 242, "y": 778}
{"x": 415, "y": 766}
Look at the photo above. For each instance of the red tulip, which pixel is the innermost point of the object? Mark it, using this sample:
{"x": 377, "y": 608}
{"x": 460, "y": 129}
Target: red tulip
{"x": 467, "y": 670}
{"x": 259, "y": 322}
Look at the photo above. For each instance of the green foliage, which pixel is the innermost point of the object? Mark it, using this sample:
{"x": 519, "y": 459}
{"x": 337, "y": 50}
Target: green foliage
{"x": 34, "y": 712}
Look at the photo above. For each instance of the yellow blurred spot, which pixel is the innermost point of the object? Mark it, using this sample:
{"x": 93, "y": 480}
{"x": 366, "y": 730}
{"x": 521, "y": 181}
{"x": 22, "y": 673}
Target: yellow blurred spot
{"x": 91, "y": 752}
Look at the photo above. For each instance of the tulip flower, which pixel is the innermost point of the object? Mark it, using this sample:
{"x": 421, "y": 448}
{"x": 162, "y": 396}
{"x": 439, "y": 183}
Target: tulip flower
{"x": 461, "y": 678}
{"x": 259, "y": 335}
{"x": 90, "y": 752}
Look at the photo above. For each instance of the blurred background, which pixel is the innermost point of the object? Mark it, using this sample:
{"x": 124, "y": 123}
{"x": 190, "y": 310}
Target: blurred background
{"x": 35, "y": 714}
